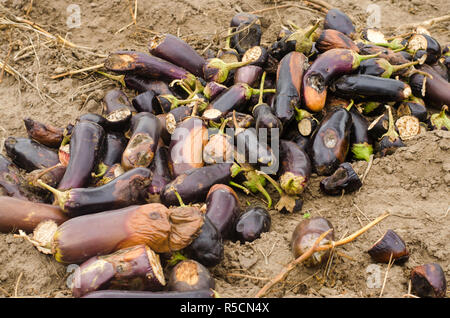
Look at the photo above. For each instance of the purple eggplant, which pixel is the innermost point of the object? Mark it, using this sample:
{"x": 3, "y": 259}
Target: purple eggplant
{"x": 160, "y": 171}
{"x": 95, "y": 118}
{"x": 111, "y": 173}
{"x": 247, "y": 34}
{"x": 143, "y": 84}
{"x": 249, "y": 74}
{"x": 428, "y": 281}
{"x": 146, "y": 102}
{"x": 190, "y": 275}
{"x": 252, "y": 223}
{"x": 10, "y": 179}
{"x": 115, "y": 144}
{"x": 338, "y": 20}
{"x": 361, "y": 143}
{"x": 395, "y": 58}
{"x": 382, "y": 67}
{"x": 306, "y": 122}
{"x": 390, "y": 141}
{"x": 434, "y": 90}
{"x": 220, "y": 147}
{"x": 333, "y": 39}
{"x": 425, "y": 43}
{"x": 173, "y": 49}
{"x": 117, "y": 109}
{"x": 86, "y": 146}
{"x": 44, "y": 134}
{"x": 390, "y": 247}
{"x": 213, "y": 89}
{"x": 257, "y": 54}
{"x": 413, "y": 106}
{"x": 343, "y": 179}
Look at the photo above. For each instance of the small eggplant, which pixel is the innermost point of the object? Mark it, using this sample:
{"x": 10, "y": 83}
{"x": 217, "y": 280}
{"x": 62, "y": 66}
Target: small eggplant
{"x": 143, "y": 84}
{"x": 160, "y": 171}
{"x": 213, "y": 89}
{"x": 407, "y": 127}
{"x": 343, "y": 179}
{"x": 390, "y": 245}
{"x": 44, "y": 134}
{"x": 326, "y": 68}
{"x": 305, "y": 235}
{"x": 144, "y": 65}
{"x": 217, "y": 70}
{"x": 295, "y": 168}
{"x": 390, "y": 141}
{"x": 207, "y": 248}
{"x": 115, "y": 144}
{"x": 117, "y": 109}
{"x": 163, "y": 230}
{"x": 440, "y": 121}
{"x": 379, "y": 126}
{"x": 332, "y": 39}
{"x": 194, "y": 184}
{"x": 17, "y": 214}
{"x": 222, "y": 208}
{"x": 95, "y": 118}
{"x": 10, "y": 179}
{"x": 247, "y": 34}
{"x": 86, "y": 145}
{"x": 190, "y": 275}
{"x": 220, "y": 147}
{"x": 134, "y": 268}
{"x": 249, "y": 74}
{"x": 128, "y": 189}
{"x": 427, "y": 43}
{"x": 205, "y": 293}
{"x": 146, "y": 102}
{"x": 371, "y": 88}
{"x": 30, "y": 155}
{"x": 338, "y": 20}
{"x": 413, "y": 106}
{"x": 186, "y": 146}
{"x": 428, "y": 281}
{"x": 289, "y": 83}
{"x": 382, "y": 68}
{"x": 173, "y": 49}
{"x": 434, "y": 90}
{"x": 252, "y": 223}
{"x": 361, "y": 143}
{"x": 51, "y": 176}
{"x": 331, "y": 141}
{"x": 145, "y": 132}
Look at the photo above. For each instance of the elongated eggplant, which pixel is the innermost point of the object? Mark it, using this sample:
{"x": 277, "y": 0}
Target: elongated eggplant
{"x": 117, "y": 109}
{"x": 427, "y": 43}
{"x": 143, "y": 84}
{"x": 146, "y": 102}
{"x": 333, "y": 39}
{"x": 223, "y": 209}
{"x": 186, "y": 146}
{"x": 144, "y": 136}
{"x": 382, "y": 67}
{"x": 220, "y": 147}
{"x": 128, "y": 189}
{"x": 217, "y": 70}
{"x": 95, "y": 118}
{"x": 434, "y": 90}
{"x": 289, "y": 82}
{"x": 413, "y": 106}
{"x": 247, "y": 34}
{"x": 10, "y": 179}
{"x": 207, "y": 248}
{"x": 51, "y": 176}
{"x": 213, "y": 89}
{"x": 17, "y": 214}
{"x": 194, "y": 184}
{"x": 305, "y": 235}
{"x": 86, "y": 144}
{"x": 440, "y": 120}
{"x": 30, "y": 155}
{"x": 361, "y": 143}
{"x": 133, "y": 268}
{"x": 189, "y": 275}
{"x": 115, "y": 144}
{"x": 295, "y": 168}
{"x": 395, "y": 58}
{"x": 173, "y": 49}
{"x": 144, "y": 65}
{"x": 343, "y": 179}
{"x": 205, "y": 293}
{"x": 390, "y": 141}
{"x": 372, "y": 88}
{"x": 331, "y": 141}
{"x": 252, "y": 223}
{"x": 44, "y": 134}
{"x": 249, "y": 74}
{"x": 326, "y": 68}
{"x": 163, "y": 230}
{"x": 338, "y": 20}
{"x": 161, "y": 175}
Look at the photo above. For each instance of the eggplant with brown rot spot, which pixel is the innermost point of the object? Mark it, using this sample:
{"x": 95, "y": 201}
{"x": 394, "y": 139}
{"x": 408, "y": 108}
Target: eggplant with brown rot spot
{"x": 440, "y": 121}
{"x": 189, "y": 275}
{"x": 220, "y": 147}
{"x": 343, "y": 179}
{"x": 111, "y": 173}
{"x": 391, "y": 140}
{"x": 413, "y": 106}
{"x": 45, "y": 134}
{"x": 390, "y": 247}
{"x": 333, "y": 39}
{"x": 295, "y": 168}
{"x": 143, "y": 84}
{"x": 428, "y": 281}
{"x": 335, "y": 19}
{"x": 117, "y": 109}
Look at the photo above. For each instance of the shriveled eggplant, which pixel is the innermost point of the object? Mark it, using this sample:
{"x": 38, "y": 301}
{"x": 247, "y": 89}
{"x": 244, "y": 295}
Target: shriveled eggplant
{"x": 343, "y": 179}
{"x": 189, "y": 275}
{"x": 252, "y": 223}
{"x": 44, "y": 134}
{"x": 390, "y": 245}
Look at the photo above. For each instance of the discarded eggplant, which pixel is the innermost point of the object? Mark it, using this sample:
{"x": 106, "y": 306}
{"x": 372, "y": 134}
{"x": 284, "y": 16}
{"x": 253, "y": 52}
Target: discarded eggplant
{"x": 249, "y": 74}
{"x": 407, "y": 127}
{"x": 51, "y": 176}
{"x": 289, "y": 77}
{"x": 252, "y": 223}
{"x": 338, "y": 20}
{"x": 434, "y": 90}
{"x": 10, "y": 179}
{"x": 343, "y": 179}
{"x": 429, "y": 281}
{"x": 133, "y": 268}
{"x": 247, "y": 34}
{"x": 379, "y": 126}
{"x": 163, "y": 230}
{"x": 326, "y": 68}
{"x": 194, "y": 184}
{"x": 413, "y": 106}
{"x": 17, "y": 214}
{"x": 427, "y": 43}
{"x": 205, "y": 293}
{"x": 189, "y": 275}
{"x": 217, "y": 70}
{"x": 146, "y": 102}
{"x": 44, "y": 134}
{"x": 160, "y": 171}
{"x": 30, "y": 155}
{"x": 220, "y": 147}
{"x": 382, "y": 68}
{"x": 333, "y": 39}
{"x": 128, "y": 189}
{"x": 143, "y": 84}
{"x": 223, "y": 209}
{"x": 144, "y": 136}
{"x": 305, "y": 235}
{"x": 302, "y": 142}
{"x": 395, "y": 58}
{"x": 213, "y": 89}
{"x": 361, "y": 143}
{"x": 331, "y": 141}
{"x": 111, "y": 173}
{"x": 372, "y": 88}
{"x": 390, "y": 141}
{"x": 115, "y": 144}
{"x": 389, "y": 246}
{"x": 173, "y": 49}
{"x": 95, "y": 118}
{"x": 117, "y": 109}
{"x": 306, "y": 122}
{"x": 86, "y": 144}
{"x": 295, "y": 168}
{"x": 440, "y": 120}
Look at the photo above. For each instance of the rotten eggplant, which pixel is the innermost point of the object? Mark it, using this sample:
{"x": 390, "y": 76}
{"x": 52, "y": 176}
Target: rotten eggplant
{"x": 190, "y": 275}
{"x": 252, "y": 223}
{"x": 45, "y": 134}
{"x": 343, "y": 179}
{"x": 295, "y": 168}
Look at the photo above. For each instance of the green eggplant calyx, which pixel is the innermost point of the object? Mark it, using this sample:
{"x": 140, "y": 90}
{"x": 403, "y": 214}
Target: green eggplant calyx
{"x": 117, "y": 78}
{"x": 391, "y": 133}
{"x": 441, "y": 120}
{"x": 175, "y": 258}
{"x": 237, "y": 185}
{"x": 371, "y": 106}
{"x": 180, "y": 200}
{"x": 60, "y": 196}
{"x": 292, "y": 184}
{"x": 362, "y": 151}
{"x": 100, "y": 171}
{"x": 235, "y": 170}
{"x": 357, "y": 58}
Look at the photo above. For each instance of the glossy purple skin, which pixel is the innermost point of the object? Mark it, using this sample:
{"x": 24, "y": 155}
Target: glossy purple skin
{"x": 86, "y": 144}
{"x": 228, "y": 100}
{"x": 115, "y": 99}
{"x": 178, "y": 52}
{"x": 160, "y": 169}
{"x": 249, "y": 74}
{"x": 142, "y": 85}
{"x": 294, "y": 160}
{"x": 252, "y": 223}
{"x": 338, "y": 20}
{"x": 146, "y": 102}
{"x": 115, "y": 144}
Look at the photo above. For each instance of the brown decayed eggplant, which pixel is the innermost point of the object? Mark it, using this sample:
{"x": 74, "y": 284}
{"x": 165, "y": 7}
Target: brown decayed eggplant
{"x": 390, "y": 141}
{"x": 390, "y": 245}
{"x": 117, "y": 109}
{"x": 44, "y": 134}
{"x": 189, "y": 275}
{"x": 295, "y": 168}
{"x": 429, "y": 281}
{"x": 361, "y": 143}
{"x": 305, "y": 235}
{"x": 343, "y": 179}
{"x": 111, "y": 173}
{"x": 133, "y": 268}
{"x": 333, "y": 39}
{"x": 247, "y": 33}
{"x": 338, "y": 20}
{"x": 252, "y": 223}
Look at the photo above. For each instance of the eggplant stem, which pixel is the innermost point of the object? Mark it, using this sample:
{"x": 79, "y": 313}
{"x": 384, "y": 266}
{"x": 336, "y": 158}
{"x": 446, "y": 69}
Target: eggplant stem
{"x": 176, "y": 258}
{"x": 117, "y": 78}
{"x": 261, "y": 88}
{"x": 313, "y": 29}
{"x": 180, "y": 200}
{"x": 265, "y": 193}
{"x": 102, "y": 168}
{"x": 60, "y": 196}
{"x": 239, "y": 186}
{"x": 396, "y": 68}
{"x": 272, "y": 181}
{"x": 352, "y": 102}
{"x": 223, "y": 125}
{"x": 391, "y": 133}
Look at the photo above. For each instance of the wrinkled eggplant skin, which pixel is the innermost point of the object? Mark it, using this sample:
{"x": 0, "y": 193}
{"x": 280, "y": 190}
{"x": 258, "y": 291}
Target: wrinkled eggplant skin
{"x": 333, "y": 39}
{"x": 146, "y": 102}
{"x": 142, "y": 85}
{"x": 343, "y": 179}
{"x": 30, "y": 155}
{"x": 223, "y": 209}
{"x": 115, "y": 143}
{"x": 160, "y": 171}
{"x": 86, "y": 145}
{"x": 205, "y": 293}
{"x": 46, "y": 135}
{"x": 10, "y": 180}
{"x": 334, "y": 131}
{"x": 128, "y": 189}
{"x": 338, "y": 20}
{"x": 289, "y": 82}
{"x": 252, "y": 223}
{"x": 207, "y": 248}
{"x": 194, "y": 184}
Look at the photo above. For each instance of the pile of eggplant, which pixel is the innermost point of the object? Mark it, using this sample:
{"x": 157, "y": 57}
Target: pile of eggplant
{"x": 143, "y": 196}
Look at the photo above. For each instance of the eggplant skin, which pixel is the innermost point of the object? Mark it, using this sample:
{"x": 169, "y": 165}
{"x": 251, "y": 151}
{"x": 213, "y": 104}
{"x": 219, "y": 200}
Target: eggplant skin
{"x": 343, "y": 179}
{"x": 338, "y": 20}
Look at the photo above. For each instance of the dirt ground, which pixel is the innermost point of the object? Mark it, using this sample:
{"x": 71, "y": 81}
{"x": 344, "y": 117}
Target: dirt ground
{"x": 413, "y": 184}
